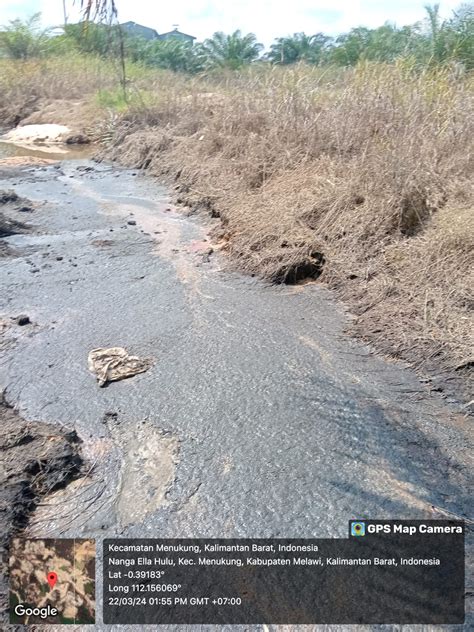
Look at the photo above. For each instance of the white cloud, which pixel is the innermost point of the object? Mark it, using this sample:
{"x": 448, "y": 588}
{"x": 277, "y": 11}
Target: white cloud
{"x": 267, "y": 18}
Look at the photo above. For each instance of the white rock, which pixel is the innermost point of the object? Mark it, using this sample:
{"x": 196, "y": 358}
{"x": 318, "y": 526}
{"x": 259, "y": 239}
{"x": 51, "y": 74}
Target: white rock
{"x": 46, "y": 134}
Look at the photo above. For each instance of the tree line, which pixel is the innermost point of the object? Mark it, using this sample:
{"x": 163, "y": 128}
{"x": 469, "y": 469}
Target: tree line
{"x": 428, "y": 42}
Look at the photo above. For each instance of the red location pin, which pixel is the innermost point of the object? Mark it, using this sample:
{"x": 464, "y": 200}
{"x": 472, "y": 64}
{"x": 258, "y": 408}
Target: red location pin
{"x": 52, "y": 579}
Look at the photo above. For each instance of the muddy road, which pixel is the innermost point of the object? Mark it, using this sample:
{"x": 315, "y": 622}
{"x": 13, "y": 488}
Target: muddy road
{"x": 259, "y": 416}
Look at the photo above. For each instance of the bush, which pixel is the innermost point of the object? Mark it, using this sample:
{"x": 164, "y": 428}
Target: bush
{"x": 24, "y": 39}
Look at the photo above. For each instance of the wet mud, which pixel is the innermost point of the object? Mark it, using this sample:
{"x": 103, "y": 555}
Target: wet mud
{"x": 259, "y": 416}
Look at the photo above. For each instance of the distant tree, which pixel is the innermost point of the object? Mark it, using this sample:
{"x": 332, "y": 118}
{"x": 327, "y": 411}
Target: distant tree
{"x": 230, "y": 51}
{"x": 22, "y": 39}
{"x": 91, "y": 37}
{"x": 349, "y": 48}
{"x": 437, "y": 34}
{"x": 460, "y": 35}
{"x": 433, "y": 41}
{"x": 172, "y": 54}
{"x": 298, "y": 47}
{"x": 387, "y": 42}
{"x": 449, "y": 40}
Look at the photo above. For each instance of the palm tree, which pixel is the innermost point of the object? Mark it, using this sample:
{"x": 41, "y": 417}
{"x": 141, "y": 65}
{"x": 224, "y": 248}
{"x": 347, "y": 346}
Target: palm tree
{"x": 298, "y": 47}
{"x": 437, "y": 32}
{"x": 351, "y": 47}
{"x": 171, "y": 54}
{"x": 231, "y": 51}
{"x": 461, "y": 35}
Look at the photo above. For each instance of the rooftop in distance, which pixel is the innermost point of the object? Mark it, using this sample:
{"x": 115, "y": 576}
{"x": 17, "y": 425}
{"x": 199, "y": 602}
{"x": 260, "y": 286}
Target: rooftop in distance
{"x": 138, "y": 30}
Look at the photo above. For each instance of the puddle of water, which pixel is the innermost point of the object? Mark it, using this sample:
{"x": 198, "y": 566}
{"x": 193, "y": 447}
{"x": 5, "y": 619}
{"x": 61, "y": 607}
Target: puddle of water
{"x": 73, "y": 152}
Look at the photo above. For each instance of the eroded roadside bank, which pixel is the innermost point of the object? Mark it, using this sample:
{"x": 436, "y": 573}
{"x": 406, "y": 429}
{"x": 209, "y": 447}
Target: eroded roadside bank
{"x": 251, "y": 422}
{"x": 363, "y": 181}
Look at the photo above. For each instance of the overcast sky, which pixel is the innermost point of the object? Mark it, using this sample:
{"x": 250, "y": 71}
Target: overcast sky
{"x": 267, "y": 18}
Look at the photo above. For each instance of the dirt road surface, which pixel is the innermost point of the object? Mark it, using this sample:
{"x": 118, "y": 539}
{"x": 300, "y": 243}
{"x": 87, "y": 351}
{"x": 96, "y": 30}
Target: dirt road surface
{"x": 259, "y": 416}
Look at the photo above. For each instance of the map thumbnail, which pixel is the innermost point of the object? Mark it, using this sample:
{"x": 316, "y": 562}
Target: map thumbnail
{"x": 52, "y": 581}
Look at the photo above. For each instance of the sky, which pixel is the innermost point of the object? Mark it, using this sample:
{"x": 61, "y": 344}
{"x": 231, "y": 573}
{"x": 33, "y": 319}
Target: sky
{"x": 267, "y": 18}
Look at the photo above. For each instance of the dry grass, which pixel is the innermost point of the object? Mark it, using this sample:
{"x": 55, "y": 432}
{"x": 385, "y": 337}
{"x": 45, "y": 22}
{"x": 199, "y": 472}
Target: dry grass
{"x": 361, "y": 175}
{"x": 33, "y": 88}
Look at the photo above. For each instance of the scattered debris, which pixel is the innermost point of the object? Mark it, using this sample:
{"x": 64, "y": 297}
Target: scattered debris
{"x": 7, "y": 197}
{"x": 10, "y": 204}
{"x": 115, "y": 363}
{"x": 14, "y": 202}
{"x": 23, "y": 319}
{"x": 109, "y": 416}
{"x": 17, "y": 203}
{"x": 11, "y": 227}
{"x": 100, "y": 243}
{"x": 5, "y": 250}
{"x": 132, "y": 222}
{"x": 78, "y": 139}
